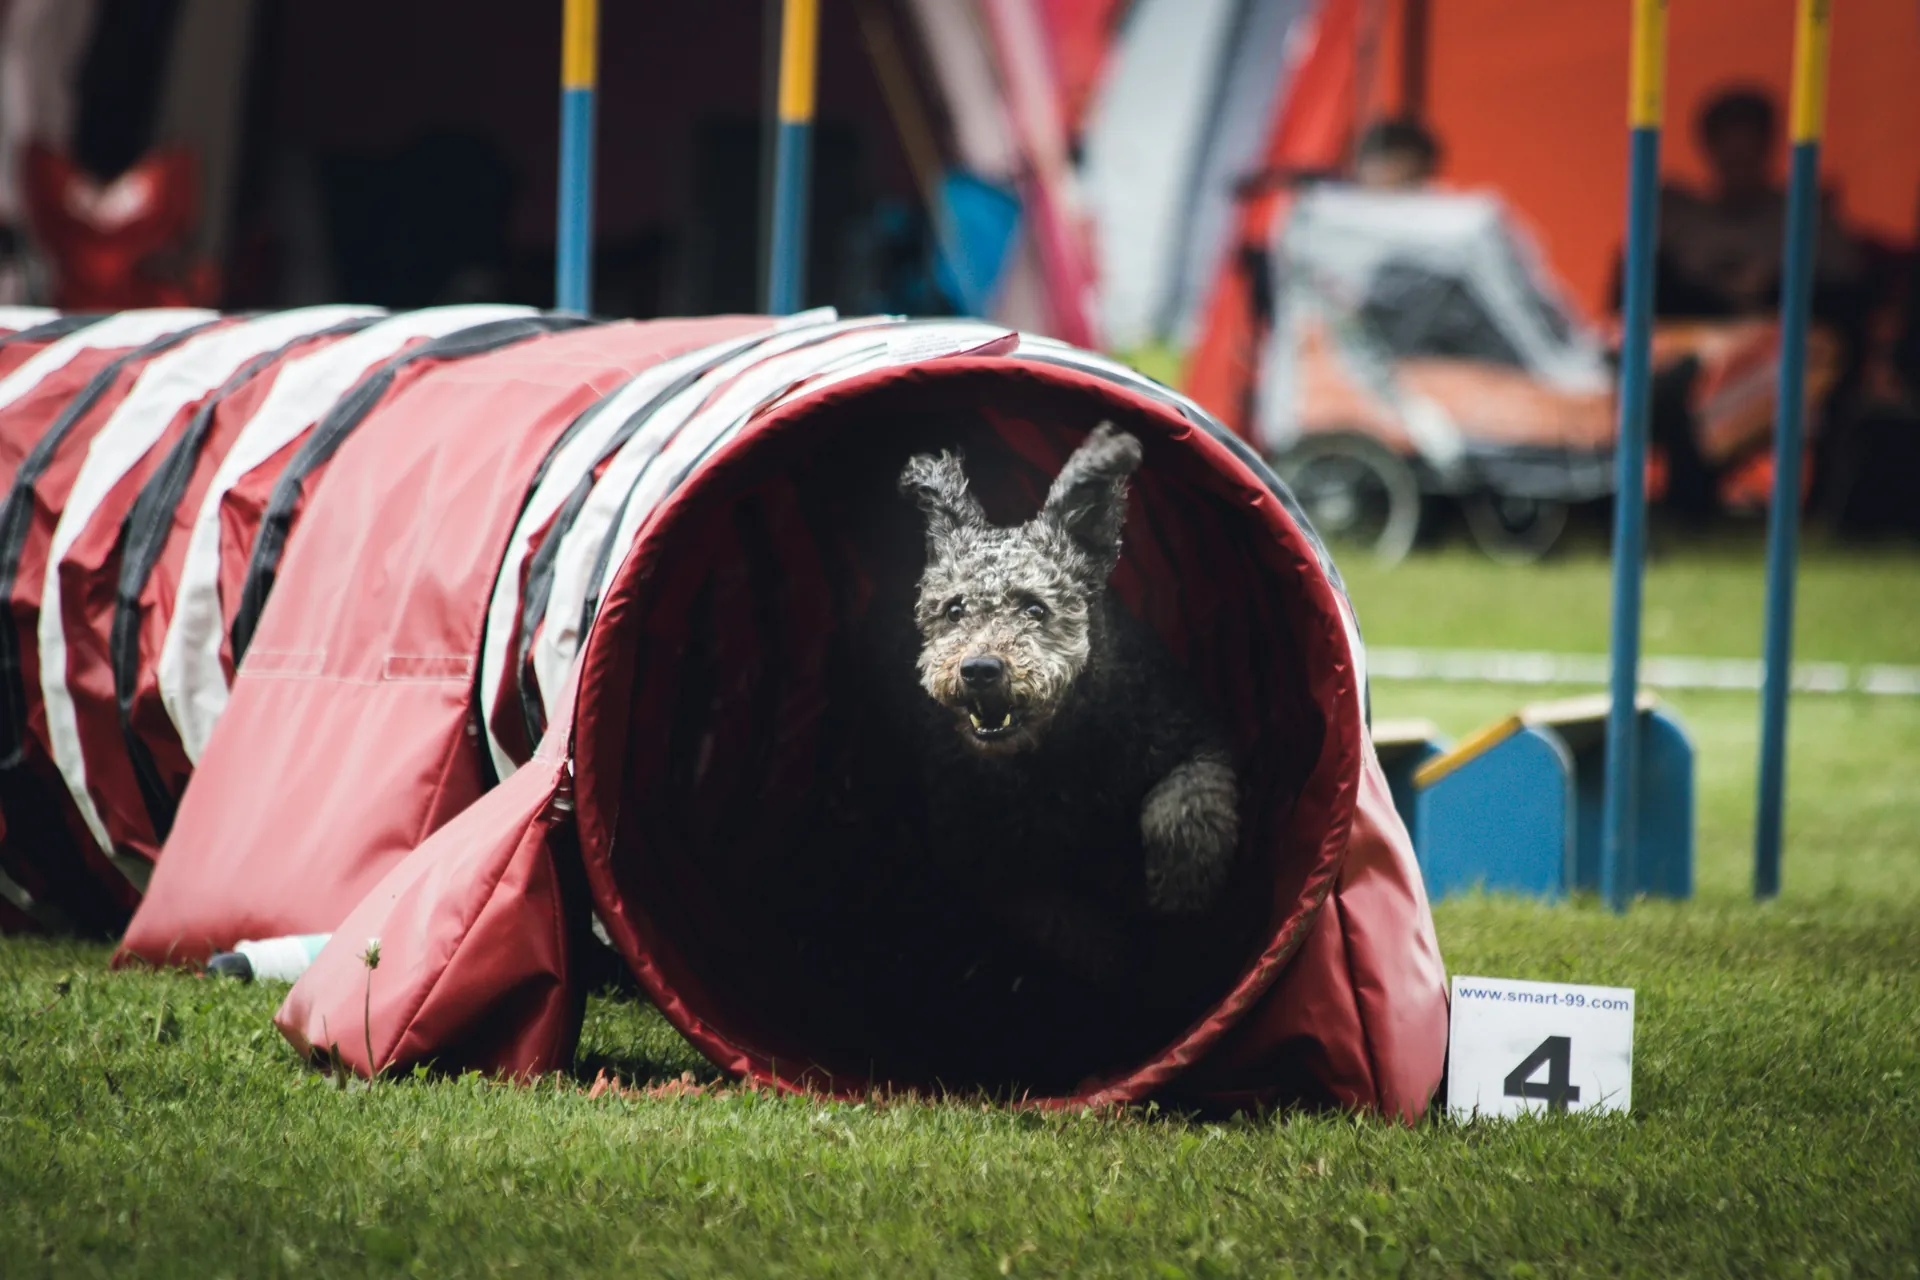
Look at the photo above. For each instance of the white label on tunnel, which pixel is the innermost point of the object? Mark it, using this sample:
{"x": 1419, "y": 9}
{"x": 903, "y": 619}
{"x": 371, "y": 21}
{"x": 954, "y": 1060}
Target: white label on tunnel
{"x": 934, "y": 342}
{"x": 1538, "y": 1047}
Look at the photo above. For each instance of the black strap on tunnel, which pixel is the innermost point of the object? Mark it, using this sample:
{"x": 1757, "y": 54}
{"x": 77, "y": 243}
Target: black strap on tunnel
{"x": 270, "y": 543}
{"x": 604, "y": 557}
{"x": 633, "y": 423}
{"x": 16, "y": 522}
{"x": 58, "y": 327}
{"x": 540, "y": 567}
{"x": 580, "y": 423}
{"x": 143, "y": 535}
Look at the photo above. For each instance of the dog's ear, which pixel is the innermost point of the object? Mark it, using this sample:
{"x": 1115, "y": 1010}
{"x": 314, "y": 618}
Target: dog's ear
{"x": 1088, "y": 499}
{"x": 938, "y": 484}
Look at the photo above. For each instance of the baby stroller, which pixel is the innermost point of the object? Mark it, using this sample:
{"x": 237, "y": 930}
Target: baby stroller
{"x": 1419, "y": 353}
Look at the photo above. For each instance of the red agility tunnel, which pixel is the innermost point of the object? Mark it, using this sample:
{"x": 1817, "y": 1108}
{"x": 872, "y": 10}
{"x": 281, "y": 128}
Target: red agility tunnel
{"x": 533, "y": 621}
{"x": 727, "y": 884}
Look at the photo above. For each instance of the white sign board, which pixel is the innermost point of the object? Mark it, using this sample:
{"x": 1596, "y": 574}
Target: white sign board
{"x": 1538, "y": 1046}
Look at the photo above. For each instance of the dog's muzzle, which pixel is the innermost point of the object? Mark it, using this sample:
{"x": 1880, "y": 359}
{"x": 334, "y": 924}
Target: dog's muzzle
{"x": 987, "y": 693}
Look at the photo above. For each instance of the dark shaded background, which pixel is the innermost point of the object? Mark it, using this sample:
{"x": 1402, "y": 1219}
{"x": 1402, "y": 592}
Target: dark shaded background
{"x": 404, "y": 152}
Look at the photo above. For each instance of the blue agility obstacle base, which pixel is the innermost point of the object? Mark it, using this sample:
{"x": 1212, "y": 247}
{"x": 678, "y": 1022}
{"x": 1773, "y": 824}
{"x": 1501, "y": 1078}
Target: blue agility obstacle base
{"x": 1517, "y": 807}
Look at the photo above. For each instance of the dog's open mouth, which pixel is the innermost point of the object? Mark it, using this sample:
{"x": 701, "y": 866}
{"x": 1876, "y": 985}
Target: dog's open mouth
{"x": 992, "y": 715}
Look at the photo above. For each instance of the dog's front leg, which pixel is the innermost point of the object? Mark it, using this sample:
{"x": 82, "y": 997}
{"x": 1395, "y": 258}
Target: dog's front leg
{"x": 1190, "y": 827}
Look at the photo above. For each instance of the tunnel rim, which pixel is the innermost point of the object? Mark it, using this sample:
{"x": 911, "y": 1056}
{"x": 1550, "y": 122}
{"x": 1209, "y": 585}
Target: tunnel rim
{"x": 606, "y": 685}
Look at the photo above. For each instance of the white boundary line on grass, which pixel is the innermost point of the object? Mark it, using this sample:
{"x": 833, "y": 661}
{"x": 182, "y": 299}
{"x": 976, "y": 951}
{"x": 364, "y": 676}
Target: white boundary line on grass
{"x": 1511, "y": 666}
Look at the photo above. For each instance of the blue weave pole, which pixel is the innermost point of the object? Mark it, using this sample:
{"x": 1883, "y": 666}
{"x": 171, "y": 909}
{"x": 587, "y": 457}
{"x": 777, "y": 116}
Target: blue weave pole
{"x": 787, "y": 263}
{"x": 787, "y": 251}
{"x": 1621, "y": 803}
{"x": 1783, "y": 516}
{"x": 1789, "y": 433}
{"x": 573, "y": 240}
{"x": 573, "y": 268}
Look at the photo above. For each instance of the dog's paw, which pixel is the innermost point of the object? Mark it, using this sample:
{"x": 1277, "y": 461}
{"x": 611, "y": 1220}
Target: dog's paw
{"x": 1190, "y": 827}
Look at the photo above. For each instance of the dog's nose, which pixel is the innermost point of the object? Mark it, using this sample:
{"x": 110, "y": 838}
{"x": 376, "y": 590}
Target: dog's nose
{"x": 980, "y": 672}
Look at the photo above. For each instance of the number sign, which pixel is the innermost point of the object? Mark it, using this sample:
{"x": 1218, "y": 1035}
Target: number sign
{"x": 1538, "y": 1047}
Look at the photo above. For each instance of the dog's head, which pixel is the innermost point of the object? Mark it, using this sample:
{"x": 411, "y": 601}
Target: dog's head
{"x": 1005, "y": 613}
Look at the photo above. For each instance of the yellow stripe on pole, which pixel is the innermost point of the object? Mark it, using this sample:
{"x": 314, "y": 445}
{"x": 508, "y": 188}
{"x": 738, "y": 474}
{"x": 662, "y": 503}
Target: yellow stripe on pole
{"x": 1810, "y": 70}
{"x": 1647, "y": 74}
{"x": 799, "y": 47}
{"x": 579, "y": 44}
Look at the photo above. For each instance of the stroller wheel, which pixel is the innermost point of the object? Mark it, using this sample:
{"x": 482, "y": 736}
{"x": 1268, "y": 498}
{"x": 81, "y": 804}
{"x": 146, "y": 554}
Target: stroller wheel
{"x": 1514, "y": 530}
{"x": 1357, "y": 492}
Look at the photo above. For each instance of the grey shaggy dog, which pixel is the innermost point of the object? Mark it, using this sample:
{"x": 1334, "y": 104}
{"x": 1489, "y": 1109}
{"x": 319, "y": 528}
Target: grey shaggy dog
{"x": 1065, "y": 757}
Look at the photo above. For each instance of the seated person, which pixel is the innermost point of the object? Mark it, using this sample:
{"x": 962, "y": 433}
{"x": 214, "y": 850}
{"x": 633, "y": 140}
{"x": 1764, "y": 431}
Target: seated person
{"x": 1720, "y": 252}
{"x": 1719, "y": 257}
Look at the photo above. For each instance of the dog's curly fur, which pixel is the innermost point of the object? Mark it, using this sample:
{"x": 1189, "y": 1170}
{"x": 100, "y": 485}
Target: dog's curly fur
{"x": 1067, "y": 763}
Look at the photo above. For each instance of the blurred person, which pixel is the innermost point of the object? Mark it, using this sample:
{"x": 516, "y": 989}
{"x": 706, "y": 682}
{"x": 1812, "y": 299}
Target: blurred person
{"x": 1396, "y": 155}
{"x": 1720, "y": 251}
{"x": 1719, "y": 258}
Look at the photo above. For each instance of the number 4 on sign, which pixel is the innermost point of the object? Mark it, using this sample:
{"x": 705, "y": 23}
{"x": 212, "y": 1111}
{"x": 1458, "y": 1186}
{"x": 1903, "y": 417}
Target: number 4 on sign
{"x": 1555, "y": 1054}
{"x": 1543, "y": 1047}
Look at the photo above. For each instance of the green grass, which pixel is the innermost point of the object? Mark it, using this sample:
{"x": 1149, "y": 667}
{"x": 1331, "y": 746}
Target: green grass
{"x": 1853, "y": 813}
{"x": 1708, "y": 601}
{"x": 156, "y": 1124}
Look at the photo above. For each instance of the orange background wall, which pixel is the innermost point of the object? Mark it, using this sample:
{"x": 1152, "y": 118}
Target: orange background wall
{"x": 1529, "y": 96}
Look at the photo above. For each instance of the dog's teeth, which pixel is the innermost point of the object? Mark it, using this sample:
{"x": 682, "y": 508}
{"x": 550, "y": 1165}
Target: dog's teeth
{"x": 1005, "y": 720}
{"x": 976, "y": 720}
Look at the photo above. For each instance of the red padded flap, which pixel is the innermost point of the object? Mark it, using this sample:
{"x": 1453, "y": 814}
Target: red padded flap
{"x": 474, "y": 928}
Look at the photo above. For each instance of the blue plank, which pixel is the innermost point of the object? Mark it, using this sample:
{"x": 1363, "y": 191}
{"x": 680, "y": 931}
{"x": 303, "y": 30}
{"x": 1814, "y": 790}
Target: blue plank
{"x": 1502, "y": 821}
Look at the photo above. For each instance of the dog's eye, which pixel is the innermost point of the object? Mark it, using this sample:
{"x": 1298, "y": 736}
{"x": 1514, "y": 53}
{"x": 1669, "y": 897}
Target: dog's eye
{"x": 956, "y": 610}
{"x": 1035, "y": 610}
